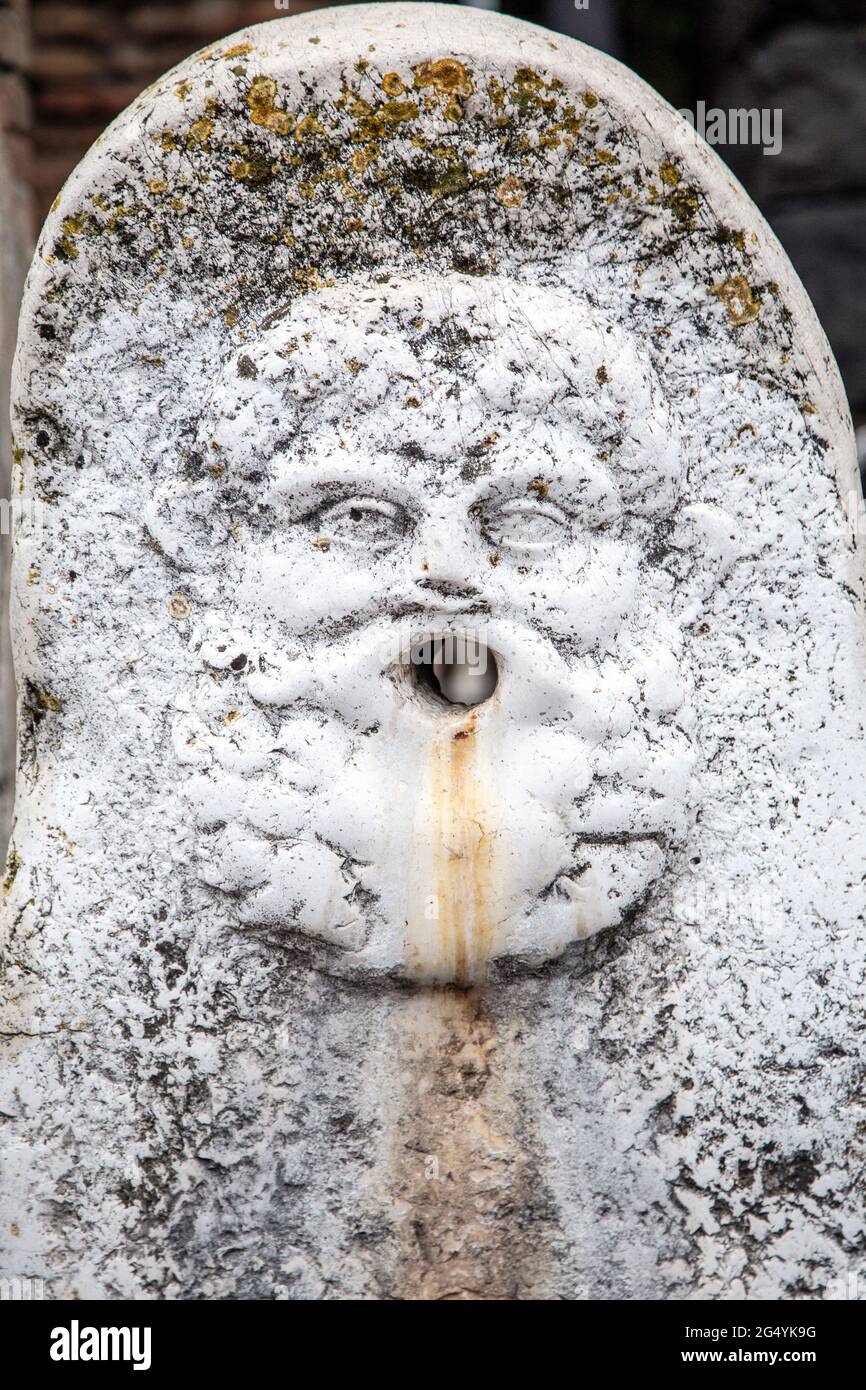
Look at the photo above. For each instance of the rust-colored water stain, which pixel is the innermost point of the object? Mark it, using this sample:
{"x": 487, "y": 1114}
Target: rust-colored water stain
{"x": 459, "y": 874}
{"x": 462, "y": 1165}
{"x": 463, "y": 1169}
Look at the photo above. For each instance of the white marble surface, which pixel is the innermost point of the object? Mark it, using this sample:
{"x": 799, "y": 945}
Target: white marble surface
{"x": 411, "y": 319}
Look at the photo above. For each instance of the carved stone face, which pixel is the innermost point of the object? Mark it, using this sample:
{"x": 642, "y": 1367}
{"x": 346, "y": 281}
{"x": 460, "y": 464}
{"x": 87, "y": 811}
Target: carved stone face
{"x": 413, "y": 460}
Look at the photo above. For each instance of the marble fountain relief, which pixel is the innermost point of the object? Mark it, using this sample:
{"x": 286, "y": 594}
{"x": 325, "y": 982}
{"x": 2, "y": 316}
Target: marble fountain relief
{"x": 436, "y": 864}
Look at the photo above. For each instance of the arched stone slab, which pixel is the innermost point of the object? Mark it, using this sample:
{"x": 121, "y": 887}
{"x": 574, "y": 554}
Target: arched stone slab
{"x": 360, "y": 330}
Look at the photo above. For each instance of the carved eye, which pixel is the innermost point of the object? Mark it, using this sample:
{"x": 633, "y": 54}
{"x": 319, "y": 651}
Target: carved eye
{"x": 522, "y": 524}
{"x": 367, "y": 522}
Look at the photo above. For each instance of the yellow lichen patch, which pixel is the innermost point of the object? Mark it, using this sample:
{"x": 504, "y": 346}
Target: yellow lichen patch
{"x": 738, "y": 298}
{"x": 309, "y": 278}
{"x": 307, "y": 127}
{"x": 496, "y": 92}
{"x": 570, "y": 123}
{"x": 66, "y": 249}
{"x": 353, "y": 364}
{"x": 46, "y": 700}
{"x": 157, "y": 185}
{"x": 395, "y": 112}
{"x": 412, "y": 403}
{"x": 231, "y": 717}
{"x": 539, "y": 487}
{"x": 601, "y": 376}
{"x": 323, "y": 543}
{"x": 589, "y": 99}
{"x": 261, "y": 100}
{"x": 381, "y": 123}
{"x": 74, "y": 226}
{"x": 278, "y": 121}
{"x": 13, "y": 864}
{"x": 453, "y": 111}
{"x": 200, "y": 130}
{"x": 237, "y": 52}
{"x": 511, "y": 192}
{"x": 254, "y": 170}
{"x": 182, "y": 90}
{"x": 604, "y": 156}
{"x": 669, "y": 174}
{"x": 448, "y": 76}
{"x": 684, "y": 203}
{"x": 808, "y": 407}
{"x": 68, "y": 844}
{"x": 393, "y": 84}
{"x": 179, "y": 607}
{"x": 529, "y": 89}
{"x": 454, "y": 179}
{"x": 361, "y": 158}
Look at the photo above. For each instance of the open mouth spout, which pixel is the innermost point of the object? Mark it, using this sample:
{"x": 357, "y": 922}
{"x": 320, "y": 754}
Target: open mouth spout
{"x": 454, "y": 669}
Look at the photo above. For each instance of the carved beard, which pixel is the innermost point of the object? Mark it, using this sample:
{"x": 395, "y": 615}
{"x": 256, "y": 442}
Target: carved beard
{"x": 334, "y": 798}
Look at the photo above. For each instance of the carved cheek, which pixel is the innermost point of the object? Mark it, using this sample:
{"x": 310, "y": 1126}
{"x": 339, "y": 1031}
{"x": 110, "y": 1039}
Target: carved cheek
{"x": 586, "y": 593}
{"x": 300, "y": 583}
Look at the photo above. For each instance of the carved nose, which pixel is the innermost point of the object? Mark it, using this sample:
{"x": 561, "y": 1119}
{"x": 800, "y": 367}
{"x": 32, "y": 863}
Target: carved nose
{"x": 445, "y": 564}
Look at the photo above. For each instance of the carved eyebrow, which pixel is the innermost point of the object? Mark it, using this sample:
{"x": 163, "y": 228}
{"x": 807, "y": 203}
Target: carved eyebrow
{"x": 541, "y": 478}
{"x": 304, "y": 492}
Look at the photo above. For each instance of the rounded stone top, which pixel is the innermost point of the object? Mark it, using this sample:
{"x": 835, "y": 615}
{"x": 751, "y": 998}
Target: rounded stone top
{"x": 402, "y": 137}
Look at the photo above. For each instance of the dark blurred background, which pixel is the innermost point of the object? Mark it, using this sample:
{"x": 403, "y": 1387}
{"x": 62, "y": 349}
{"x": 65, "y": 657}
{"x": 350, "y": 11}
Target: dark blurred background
{"x": 67, "y": 67}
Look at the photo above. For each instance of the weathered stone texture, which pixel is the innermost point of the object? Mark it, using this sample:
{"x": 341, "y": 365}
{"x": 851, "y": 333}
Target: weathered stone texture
{"x": 414, "y": 315}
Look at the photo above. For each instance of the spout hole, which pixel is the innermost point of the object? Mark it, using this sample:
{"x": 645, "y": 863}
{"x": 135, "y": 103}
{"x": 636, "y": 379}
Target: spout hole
{"x": 454, "y": 670}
